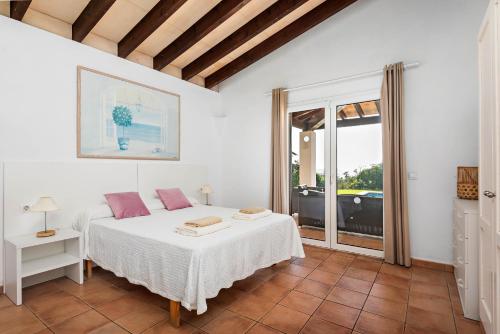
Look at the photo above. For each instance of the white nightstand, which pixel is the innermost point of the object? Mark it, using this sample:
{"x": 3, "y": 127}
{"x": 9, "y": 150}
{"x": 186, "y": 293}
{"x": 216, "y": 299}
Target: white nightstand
{"x": 26, "y": 257}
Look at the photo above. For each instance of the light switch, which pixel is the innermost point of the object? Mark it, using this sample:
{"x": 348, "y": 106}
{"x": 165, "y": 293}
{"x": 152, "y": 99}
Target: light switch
{"x": 412, "y": 176}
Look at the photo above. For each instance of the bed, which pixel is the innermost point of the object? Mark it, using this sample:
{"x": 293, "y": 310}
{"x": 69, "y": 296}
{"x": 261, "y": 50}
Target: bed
{"x": 187, "y": 270}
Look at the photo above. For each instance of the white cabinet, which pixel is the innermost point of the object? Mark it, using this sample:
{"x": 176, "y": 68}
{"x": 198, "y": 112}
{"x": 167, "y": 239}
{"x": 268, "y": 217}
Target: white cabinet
{"x": 465, "y": 255}
{"x": 30, "y": 260}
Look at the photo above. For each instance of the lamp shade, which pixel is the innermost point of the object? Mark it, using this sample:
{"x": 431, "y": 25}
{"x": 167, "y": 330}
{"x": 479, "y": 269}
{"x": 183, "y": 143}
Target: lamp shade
{"x": 206, "y": 189}
{"x": 44, "y": 204}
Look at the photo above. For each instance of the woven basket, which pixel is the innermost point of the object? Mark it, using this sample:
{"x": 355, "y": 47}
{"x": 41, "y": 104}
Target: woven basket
{"x": 467, "y": 183}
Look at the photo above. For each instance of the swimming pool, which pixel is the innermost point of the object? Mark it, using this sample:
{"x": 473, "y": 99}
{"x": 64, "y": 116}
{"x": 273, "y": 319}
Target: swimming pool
{"x": 374, "y": 195}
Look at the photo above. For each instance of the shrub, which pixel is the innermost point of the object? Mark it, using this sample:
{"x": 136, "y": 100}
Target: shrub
{"x": 366, "y": 178}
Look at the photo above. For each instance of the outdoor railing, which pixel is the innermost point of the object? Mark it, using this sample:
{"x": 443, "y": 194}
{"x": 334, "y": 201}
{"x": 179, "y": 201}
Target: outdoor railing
{"x": 355, "y": 213}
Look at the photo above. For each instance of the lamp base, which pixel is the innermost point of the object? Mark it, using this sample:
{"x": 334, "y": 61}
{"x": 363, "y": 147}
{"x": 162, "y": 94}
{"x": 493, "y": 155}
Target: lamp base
{"x": 44, "y": 234}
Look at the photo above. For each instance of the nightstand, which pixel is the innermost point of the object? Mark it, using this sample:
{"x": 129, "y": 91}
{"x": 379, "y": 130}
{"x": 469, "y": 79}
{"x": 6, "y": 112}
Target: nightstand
{"x": 30, "y": 260}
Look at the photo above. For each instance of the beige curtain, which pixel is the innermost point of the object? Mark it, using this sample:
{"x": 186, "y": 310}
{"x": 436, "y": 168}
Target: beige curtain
{"x": 279, "y": 165}
{"x": 396, "y": 229}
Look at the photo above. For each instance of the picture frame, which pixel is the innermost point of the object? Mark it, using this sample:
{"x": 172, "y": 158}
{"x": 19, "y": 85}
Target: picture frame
{"x": 119, "y": 118}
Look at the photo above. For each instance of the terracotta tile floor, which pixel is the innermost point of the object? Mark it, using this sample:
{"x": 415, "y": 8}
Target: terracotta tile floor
{"x": 328, "y": 292}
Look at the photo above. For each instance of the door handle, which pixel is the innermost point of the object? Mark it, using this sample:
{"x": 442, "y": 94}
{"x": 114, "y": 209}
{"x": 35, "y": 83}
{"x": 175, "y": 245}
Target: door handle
{"x": 489, "y": 194}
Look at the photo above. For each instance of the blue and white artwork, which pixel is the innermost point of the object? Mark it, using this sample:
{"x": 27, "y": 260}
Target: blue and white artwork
{"x": 120, "y": 119}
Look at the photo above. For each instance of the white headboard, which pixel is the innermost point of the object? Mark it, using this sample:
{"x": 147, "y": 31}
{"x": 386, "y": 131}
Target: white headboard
{"x": 154, "y": 175}
{"x": 79, "y": 184}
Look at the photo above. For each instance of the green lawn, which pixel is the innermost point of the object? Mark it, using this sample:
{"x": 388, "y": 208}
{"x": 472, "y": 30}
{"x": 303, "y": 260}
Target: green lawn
{"x": 353, "y": 191}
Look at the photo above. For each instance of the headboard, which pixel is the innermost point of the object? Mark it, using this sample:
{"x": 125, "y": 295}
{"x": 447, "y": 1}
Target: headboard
{"x": 76, "y": 185}
{"x": 154, "y": 175}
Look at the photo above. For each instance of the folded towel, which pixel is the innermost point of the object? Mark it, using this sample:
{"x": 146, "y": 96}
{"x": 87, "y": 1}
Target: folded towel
{"x": 192, "y": 231}
{"x": 251, "y": 211}
{"x": 244, "y": 216}
{"x": 202, "y": 222}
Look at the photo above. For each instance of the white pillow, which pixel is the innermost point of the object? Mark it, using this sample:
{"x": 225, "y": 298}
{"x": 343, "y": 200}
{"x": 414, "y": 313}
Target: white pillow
{"x": 100, "y": 211}
{"x": 193, "y": 201}
{"x": 94, "y": 212}
{"x": 155, "y": 204}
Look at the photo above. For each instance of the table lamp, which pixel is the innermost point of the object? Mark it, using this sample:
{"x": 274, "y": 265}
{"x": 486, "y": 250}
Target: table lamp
{"x": 44, "y": 204}
{"x": 206, "y": 189}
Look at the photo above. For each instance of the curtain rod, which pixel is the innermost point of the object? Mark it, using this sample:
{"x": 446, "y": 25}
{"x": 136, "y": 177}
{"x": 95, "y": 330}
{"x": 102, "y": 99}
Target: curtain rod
{"x": 345, "y": 78}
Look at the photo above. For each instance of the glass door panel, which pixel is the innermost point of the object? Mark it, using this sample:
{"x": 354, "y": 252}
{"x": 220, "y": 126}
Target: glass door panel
{"x": 307, "y": 172}
{"x": 359, "y": 175}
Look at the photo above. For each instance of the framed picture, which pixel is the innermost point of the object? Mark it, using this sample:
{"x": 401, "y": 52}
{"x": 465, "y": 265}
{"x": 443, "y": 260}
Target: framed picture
{"x": 122, "y": 119}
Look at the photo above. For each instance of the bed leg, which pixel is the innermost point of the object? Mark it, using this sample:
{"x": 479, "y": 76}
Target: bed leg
{"x": 88, "y": 268}
{"x": 175, "y": 313}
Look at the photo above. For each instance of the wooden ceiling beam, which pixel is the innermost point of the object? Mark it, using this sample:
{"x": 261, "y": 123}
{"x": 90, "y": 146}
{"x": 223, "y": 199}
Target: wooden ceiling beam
{"x": 149, "y": 23}
{"x": 359, "y": 110}
{"x": 305, "y": 114}
{"x": 358, "y": 121}
{"x": 90, "y": 16}
{"x": 215, "y": 17}
{"x": 255, "y": 26}
{"x": 285, "y": 35}
{"x": 318, "y": 125}
{"x": 18, "y": 9}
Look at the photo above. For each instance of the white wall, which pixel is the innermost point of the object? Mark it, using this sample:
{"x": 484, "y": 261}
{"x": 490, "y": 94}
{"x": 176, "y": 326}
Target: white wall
{"x": 441, "y": 100}
{"x": 38, "y": 99}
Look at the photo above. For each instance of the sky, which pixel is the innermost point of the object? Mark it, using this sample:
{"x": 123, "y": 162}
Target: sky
{"x": 357, "y": 146}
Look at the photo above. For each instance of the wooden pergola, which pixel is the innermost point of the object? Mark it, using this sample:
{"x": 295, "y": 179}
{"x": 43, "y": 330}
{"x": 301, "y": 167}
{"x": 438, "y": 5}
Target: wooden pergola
{"x": 352, "y": 114}
{"x": 309, "y": 120}
{"x": 362, "y": 113}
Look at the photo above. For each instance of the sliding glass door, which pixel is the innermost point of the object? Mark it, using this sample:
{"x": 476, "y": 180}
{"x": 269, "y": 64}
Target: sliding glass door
{"x": 307, "y": 173}
{"x": 359, "y": 175}
{"x": 335, "y": 163}
{"x": 356, "y": 153}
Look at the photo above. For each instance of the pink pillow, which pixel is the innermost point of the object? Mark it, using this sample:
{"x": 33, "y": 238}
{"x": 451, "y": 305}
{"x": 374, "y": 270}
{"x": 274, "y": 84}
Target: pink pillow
{"x": 126, "y": 205}
{"x": 173, "y": 198}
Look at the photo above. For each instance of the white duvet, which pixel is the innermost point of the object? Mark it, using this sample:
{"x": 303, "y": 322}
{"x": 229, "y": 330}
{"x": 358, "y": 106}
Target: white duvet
{"x": 148, "y": 251}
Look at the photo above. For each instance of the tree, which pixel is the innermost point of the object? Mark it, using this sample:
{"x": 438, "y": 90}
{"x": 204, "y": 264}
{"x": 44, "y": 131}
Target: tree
{"x": 295, "y": 171}
{"x": 365, "y": 179}
{"x": 320, "y": 180}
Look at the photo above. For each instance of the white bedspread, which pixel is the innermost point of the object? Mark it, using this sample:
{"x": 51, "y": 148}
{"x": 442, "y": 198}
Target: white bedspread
{"x": 147, "y": 251}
